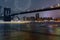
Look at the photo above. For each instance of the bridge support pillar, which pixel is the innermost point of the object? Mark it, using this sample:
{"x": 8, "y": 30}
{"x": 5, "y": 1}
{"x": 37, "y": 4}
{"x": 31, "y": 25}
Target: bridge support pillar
{"x": 7, "y": 17}
{"x": 7, "y": 12}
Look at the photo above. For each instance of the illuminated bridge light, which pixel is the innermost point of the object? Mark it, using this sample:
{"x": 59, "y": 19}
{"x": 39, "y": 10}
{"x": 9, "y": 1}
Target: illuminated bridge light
{"x": 51, "y": 7}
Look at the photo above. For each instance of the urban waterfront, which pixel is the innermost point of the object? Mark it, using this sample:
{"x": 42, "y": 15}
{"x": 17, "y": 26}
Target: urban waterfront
{"x": 29, "y": 31}
{"x": 29, "y": 20}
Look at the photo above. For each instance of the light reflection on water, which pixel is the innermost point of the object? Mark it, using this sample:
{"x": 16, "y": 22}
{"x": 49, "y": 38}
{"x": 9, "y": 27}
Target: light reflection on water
{"x": 27, "y": 31}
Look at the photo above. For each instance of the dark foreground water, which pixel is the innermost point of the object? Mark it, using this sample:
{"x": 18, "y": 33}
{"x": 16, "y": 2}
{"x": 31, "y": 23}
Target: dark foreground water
{"x": 29, "y": 31}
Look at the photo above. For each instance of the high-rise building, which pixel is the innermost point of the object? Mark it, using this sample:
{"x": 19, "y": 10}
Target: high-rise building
{"x": 24, "y": 18}
{"x": 37, "y": 16}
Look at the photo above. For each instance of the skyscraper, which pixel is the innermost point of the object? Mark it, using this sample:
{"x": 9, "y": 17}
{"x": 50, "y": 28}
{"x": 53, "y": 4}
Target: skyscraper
{"x": 37, "y": 16}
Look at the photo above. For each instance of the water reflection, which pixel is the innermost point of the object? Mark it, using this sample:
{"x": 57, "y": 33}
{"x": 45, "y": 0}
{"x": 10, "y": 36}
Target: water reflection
{"x": 29, "y": 31}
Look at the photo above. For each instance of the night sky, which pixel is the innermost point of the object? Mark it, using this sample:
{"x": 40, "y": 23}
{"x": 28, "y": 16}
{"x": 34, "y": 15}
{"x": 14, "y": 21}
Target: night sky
{"x": 24, "y": 5}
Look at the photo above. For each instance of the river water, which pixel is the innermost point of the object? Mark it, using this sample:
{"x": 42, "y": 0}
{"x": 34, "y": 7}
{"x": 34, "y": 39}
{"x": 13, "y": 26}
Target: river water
{"x": 27, "y": 31}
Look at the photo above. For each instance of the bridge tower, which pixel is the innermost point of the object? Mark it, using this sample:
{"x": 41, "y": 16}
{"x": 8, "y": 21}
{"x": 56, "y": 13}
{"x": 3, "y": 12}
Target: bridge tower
{"x": 7, "y": 12}
{"x": 6, "y": 27}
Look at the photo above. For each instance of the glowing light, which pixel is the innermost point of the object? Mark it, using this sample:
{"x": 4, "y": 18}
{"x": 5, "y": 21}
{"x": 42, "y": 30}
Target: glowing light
{"x": 51, "y": 6}
{"x": 58, "y": 4}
